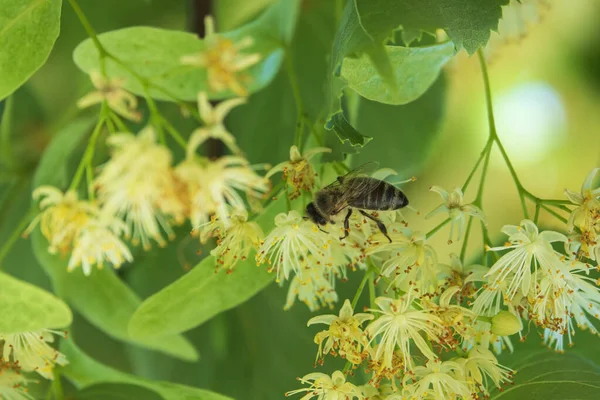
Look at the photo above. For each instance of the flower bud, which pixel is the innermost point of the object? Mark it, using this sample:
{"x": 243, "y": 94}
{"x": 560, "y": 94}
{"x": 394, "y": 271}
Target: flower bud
{"x": 505, "y": 323}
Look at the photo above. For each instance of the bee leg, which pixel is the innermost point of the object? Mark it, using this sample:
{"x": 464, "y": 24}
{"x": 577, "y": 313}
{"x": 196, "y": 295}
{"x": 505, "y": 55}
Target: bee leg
{"x": 347, "y": 224}
{"x": 380, "y": 224}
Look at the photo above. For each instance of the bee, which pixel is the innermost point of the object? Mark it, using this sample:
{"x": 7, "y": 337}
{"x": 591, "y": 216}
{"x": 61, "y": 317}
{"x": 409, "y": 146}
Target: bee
{"x": 355, "y": 190}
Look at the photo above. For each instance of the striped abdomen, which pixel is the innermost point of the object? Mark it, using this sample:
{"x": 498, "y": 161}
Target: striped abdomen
{"x": 373, "y": 194}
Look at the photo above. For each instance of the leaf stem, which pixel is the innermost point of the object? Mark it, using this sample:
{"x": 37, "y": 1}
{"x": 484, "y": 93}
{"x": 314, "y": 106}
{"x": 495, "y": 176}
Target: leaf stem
{"x": 484, "y": 152}
{"x": 360, "y": 288}
{"x": 88, "y": 155}
{"x": 437, "y": 228}
{"x": 291, "y": 72}
{"x": 57, "y": 386}
{"x": 88, "y": 28}
{"x": 494, "y": 133}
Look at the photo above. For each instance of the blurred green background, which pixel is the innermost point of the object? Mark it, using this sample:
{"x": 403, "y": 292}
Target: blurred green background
{"x": 546, "y": 89}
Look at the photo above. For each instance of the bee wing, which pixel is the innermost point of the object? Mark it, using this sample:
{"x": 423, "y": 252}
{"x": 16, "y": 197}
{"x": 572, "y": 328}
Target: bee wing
{"x": 349, "y": 188}
{"x": 362, "y": 170}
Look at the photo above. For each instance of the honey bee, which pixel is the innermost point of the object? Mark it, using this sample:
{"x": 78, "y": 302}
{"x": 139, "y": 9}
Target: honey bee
{"x": 355, "y": 190}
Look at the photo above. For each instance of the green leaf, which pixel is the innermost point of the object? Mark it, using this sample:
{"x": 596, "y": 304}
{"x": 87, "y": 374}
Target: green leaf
{"x": 53, "y": 167}
{"x": 345, "y": 131}
{"x": 201, "y": 293}
{"x": 104, "y": 300}
{"x": 547, "y": 375}
{"x": 27, "y": 308}
{"x": 229, "y": 14}
{"x": 83, "y": 371}
{"x": 415, "y": 70}
{"x": 116, "y": 391}
{"x": 28, "y": 30}
{"x": 155, "y": 54}
{"x": 404, "y": 135}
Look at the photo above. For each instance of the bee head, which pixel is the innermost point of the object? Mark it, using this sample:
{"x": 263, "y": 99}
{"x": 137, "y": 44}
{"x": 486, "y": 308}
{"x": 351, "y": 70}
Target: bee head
{"x": 314, "y": 215}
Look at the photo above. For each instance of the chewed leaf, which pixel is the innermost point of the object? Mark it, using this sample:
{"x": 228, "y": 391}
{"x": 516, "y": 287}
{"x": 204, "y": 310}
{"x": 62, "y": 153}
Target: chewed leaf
{"x": 27, "y": 308}
{"x": 415, "y": 70}
{"x": 28, "y": 30}
{"x": 155, "y": 55}
{"x": 345, "y": 132}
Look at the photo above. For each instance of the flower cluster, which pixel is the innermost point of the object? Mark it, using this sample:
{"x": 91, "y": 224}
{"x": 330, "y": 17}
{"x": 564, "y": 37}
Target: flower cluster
{"x": 466, "y": 309}
{"x": 141, "y": 195}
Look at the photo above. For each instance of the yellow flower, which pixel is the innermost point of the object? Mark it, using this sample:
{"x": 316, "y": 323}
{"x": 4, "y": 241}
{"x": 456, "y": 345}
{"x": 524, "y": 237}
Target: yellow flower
{"x": 512, "y": 273}
{"x": 344, "y": 333}
{"x": 110, "y": 90}
{"x": 298, "y": 172}
{"x": 235, "y": 241}
{"x": 13, "y": 384}
{"x": 462, "y": 276}
{"x": 31, "y": 352}
{"x": 137, "y": 184}
{"x": 223, "y": 60}
{"x": 214, "y": 128}
{"x": 98, "y": 242}
{"x": 457, "y": 211}
{"x": 457, "y": 320}
{"x": 586, "y": 216}
{"x": 62, "y": 217}
{"x": 439, "y": 380}
{"x": 314, "y": 287}
{"x": 326, "y": 387}
{"x": 213, "y": 186}
{"x": 482, "y": 366}
{"x": 399, "y": 324}
{"x": 292, "y": 245}
{"x": 408, "y": 259}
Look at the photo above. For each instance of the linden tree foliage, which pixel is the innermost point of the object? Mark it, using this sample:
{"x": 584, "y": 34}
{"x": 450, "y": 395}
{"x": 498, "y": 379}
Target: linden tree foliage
{"x": 155, "y": 55}
{"x": 367, "y": 25}
{"x": 85, "y": 373}
{"x": 171, "y": 215}
{"x": 29, "y": 308}
{"x": 28, "y": 30}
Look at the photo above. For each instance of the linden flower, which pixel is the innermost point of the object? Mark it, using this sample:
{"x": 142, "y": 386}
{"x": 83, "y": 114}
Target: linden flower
{"x": 214, "y": 128}
{"x": 576, "y": 298}
{"x": 223, "y": 60}
{"x": 440, "y": 381}
{"x": 62, "y": 217}
{"x": 298, "y": 172}
{"x": 456, "y": 319}
{"x": 137, "y": 185}
{"x": 529, "y": 249}
{"x": 344, "y": 333}
{"x": 398, "y": 324}
{"x": 456, "y": 209}
{"x": 586, "y": 216}
{"x": 13, "y": 384}
{"x": 31, "y": 352}
{"x": 314, "y": 288}
{"x": 586, "y": 244}
{"x": 99, "y": 242}
{"x": 290, "y": 245}
{"x": 111, "y": 91}
{"x": 235, "y": 241}
{"x": 482, "y": 366}
{"x": 462, "y": 276}
{"x": 408, "y": 259}
{"x": 324, "y": 387}
{"x": 213, "y": 186}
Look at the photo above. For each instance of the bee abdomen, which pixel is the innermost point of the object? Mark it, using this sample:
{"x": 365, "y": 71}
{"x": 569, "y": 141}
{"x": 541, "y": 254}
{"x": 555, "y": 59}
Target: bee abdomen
{"x": 383, "y": 197}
